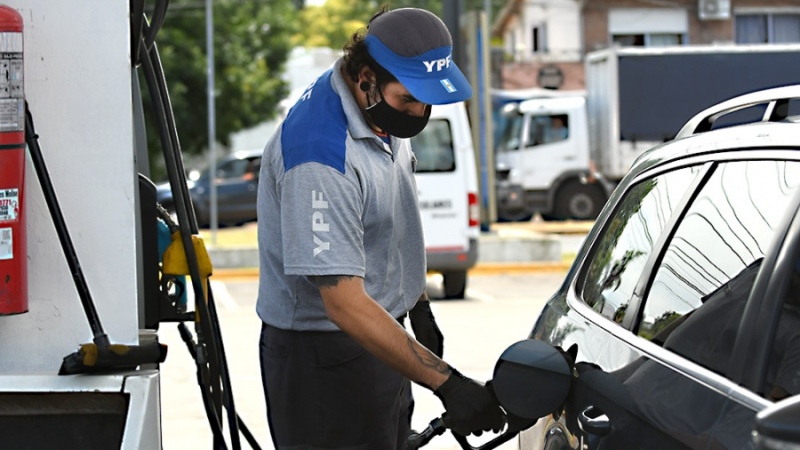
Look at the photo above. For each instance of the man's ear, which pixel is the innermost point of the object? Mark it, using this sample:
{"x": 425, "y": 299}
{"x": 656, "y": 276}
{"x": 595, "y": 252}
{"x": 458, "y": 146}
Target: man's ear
{"x": 365, "y": 74}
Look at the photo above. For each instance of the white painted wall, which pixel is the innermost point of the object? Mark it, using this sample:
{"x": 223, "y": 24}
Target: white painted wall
{"x": 562, "y": 21}
{"x": 78, "y": 86}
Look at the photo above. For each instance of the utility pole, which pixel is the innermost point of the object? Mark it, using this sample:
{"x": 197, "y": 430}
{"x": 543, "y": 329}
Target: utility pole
{"x": 212, "y": 125}
{"x": 451, "y": 16}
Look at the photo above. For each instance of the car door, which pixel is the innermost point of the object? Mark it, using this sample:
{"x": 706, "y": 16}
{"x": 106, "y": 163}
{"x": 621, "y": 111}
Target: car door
{"x": 656, "y": 313}
{"x": 441, "y": 187}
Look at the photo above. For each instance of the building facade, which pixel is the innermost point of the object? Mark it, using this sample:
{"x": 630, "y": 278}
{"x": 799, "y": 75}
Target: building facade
{"x": 544, "y": 41}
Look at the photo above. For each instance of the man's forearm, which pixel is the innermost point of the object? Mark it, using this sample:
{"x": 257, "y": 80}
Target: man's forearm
{"x": 361, "y": 317}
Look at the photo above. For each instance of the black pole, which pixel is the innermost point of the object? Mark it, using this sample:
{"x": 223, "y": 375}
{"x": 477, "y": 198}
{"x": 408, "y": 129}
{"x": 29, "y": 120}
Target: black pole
{"x": 31, "y": 138}
{"x": 451, "y": 13}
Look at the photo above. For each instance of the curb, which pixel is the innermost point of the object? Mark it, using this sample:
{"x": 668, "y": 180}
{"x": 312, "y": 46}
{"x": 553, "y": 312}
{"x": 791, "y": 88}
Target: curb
{"x": 251, "y": 273}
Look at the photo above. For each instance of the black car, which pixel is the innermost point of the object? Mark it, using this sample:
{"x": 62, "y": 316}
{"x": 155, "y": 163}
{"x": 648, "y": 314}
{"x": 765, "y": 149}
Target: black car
{"x": 237, "y": 186}
{"x": 679, "y": 321}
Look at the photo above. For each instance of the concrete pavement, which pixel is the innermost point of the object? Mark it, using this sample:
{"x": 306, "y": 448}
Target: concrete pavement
{"x": 498, "y": 311}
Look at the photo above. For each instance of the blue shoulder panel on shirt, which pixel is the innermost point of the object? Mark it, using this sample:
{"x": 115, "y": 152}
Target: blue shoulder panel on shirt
{"x": 315, "y": 129}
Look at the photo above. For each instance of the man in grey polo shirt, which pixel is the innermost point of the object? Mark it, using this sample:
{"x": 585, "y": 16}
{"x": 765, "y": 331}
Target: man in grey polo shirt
{"x": 342, "y": 254}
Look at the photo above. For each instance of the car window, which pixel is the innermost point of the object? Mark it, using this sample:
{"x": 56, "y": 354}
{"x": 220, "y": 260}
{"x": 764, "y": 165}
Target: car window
{"x": 252, "y": 169}
{"x": 433, "y": 148}
{"x": 233, "y": 169}
{"x": 783, "y": 368}
{"x": 628, "y": 240}
{"x": 701, "y": 285}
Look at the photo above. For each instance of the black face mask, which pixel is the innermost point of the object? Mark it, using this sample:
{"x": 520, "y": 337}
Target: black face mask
{"x": 394, "y": 122}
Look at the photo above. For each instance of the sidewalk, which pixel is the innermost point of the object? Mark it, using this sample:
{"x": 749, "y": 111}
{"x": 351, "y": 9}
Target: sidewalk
{"x": 518, "y": 247}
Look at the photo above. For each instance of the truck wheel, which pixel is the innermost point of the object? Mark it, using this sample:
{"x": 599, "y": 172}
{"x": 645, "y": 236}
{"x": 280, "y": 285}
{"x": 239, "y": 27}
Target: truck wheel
{"x": 455, "y": 284}
{"x": 579, "y": 201}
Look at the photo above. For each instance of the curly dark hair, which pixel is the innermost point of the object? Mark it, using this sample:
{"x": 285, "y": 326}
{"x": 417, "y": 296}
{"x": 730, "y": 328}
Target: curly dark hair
{"x": 356, "y": 55}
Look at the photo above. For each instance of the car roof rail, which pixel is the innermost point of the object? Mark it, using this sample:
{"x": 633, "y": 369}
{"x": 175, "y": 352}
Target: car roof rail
{"x": 777, "y": 100}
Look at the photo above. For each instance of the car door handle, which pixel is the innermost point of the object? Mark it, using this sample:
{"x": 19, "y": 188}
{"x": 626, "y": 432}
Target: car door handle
{"x": 594, "y": 421}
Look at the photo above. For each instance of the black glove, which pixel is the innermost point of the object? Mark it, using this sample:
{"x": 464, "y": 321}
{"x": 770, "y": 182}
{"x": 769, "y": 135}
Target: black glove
{"x": 425, "y": 329}
{"x": 469, "y": 406}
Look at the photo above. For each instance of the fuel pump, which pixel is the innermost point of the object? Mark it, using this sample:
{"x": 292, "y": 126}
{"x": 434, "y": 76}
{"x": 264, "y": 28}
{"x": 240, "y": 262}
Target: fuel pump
{"x": 13, "y": 242}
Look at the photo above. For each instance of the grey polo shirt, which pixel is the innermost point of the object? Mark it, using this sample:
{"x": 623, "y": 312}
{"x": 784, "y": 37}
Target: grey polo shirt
{"x": 335, "y": 199}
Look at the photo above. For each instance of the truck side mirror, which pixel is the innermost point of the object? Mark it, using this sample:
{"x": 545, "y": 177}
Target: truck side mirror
{"x": 778, "y": 427}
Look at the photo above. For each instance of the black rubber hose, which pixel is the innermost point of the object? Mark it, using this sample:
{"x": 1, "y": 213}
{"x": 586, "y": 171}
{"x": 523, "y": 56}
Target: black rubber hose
{"x": 160, "y": 98}
{"x": 157, "y": 21}
{"x": 226, "y": 378}
{"x": 173, "y": 153}
{"x": 216, "y": 348}
{"x": 211, "y": 413}
{"x": 180, "y": 206}
{"x": 186, "y": 335}
{"x": 32, "y": 139}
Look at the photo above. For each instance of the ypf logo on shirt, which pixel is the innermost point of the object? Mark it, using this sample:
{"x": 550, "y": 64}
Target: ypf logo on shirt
{"x": 318, "y": 224}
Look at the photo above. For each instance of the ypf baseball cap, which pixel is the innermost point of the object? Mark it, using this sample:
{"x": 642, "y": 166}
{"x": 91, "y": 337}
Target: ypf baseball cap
{"x": 415, "y": 46}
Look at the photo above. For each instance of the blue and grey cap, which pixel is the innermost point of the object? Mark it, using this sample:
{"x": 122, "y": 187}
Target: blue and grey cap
{"x": 415, "y": 46}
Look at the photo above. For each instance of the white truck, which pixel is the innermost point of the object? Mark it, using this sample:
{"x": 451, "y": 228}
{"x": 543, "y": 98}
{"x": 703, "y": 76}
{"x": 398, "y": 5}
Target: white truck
{"x": 561, "y": 156}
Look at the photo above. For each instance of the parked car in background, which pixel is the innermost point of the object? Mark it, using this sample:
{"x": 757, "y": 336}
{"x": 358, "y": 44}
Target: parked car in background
{"x": 682, "y": 308}
{"x": 236, "y": 181}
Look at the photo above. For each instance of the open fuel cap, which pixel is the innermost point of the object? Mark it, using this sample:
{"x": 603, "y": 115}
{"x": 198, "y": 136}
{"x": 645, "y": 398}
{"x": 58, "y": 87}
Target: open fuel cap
{"x": 531, "y": 379}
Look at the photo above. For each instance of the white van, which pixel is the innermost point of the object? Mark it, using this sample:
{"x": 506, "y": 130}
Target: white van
{"x": 447, "y": 184}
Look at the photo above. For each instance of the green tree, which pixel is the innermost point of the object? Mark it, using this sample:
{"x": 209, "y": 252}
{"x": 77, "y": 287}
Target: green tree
{"x": 335, "y": 21}
{"x": 251, "y": 46}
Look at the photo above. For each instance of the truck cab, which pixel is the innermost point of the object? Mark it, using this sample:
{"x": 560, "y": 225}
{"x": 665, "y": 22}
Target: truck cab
{"x": 543, "y": 162}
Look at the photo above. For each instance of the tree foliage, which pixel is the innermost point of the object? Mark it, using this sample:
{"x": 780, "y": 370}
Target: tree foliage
{"x": 334, "y": 22}
{"x": 252, "y": 40}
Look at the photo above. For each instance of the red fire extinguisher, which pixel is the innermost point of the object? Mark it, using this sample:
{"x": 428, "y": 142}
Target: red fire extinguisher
{"x": 13, "y": 245}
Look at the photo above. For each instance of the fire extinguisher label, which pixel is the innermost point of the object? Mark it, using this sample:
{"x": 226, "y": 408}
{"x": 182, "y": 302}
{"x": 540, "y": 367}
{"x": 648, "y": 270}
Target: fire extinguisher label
{"x": 12, "y": 104}
{"x": 6, "y": 244}
{"x": 9, "y": 204}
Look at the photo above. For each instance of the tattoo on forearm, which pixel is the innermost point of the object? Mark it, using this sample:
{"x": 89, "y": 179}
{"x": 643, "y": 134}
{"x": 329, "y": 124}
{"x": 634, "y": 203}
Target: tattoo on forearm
{"x": 328, "y": 280}
{"x": 427, "y": 358}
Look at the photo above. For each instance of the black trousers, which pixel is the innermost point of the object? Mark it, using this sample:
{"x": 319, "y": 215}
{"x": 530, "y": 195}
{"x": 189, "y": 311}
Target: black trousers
{"x": 324, "y": 391}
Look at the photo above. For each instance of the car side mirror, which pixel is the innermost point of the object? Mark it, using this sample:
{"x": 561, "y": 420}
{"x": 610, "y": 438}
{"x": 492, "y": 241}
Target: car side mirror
{"x": 531, "y": 380}
{"x": 778, "y": 426}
